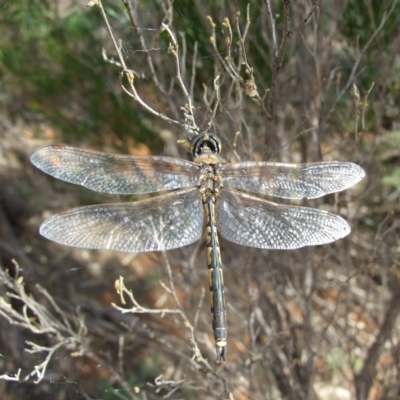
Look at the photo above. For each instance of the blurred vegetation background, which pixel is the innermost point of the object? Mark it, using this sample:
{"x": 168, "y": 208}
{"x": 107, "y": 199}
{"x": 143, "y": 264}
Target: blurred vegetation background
{"x": 315, "y": 323}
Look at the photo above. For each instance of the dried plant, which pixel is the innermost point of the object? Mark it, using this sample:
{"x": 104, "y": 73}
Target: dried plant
{"x": 275, "y": 81}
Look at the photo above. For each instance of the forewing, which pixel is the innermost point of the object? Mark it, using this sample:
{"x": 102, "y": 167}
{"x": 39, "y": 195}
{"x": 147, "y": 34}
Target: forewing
{"x": 292, "y": 181}
{"x": 251, "y": 221}
{"x": 115, "y": 174}
{"x": 161, "y": 223}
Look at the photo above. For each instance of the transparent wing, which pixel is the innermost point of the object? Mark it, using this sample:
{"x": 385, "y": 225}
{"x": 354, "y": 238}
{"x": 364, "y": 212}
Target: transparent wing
{"x": 115, "y": 174}
{"x": 292, "y": 181}
{"x": 250, "y": 221}
{"x": 161, "y": 223}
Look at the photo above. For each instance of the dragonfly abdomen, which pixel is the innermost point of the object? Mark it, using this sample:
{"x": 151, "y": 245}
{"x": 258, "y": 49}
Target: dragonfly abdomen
{"x": 215, "y": 278}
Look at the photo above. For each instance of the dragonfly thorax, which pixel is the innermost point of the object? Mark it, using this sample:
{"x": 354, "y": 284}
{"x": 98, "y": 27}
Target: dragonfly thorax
{"x": 210, "y": 182}
{"x": 205, "y": 149}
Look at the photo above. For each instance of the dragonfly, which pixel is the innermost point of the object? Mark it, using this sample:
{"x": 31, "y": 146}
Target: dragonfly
{"x": 207, "y": 189}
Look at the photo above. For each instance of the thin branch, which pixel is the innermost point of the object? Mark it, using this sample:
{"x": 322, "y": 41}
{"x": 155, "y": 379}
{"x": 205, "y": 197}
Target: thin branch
{"x": 365, "y": 379}
{"x": 173, "y": 50}
{"x": 40, "y": 369}
{"x": 138, "y": 309}
{"x": 273, "y": 29}
{"x": 216, "y": 103}
{"x": 133, "y": 18}
{"x": 126, "y": 71}
{"x": 213, "y": 41}
{"x": 12, "y": 378}
{"x": 353, "y": 73}
{"x": 364, "y": 105}
{"x": 193, "y": 76}
{"x": 183, "y": 55}
{"x": 306, "y": 18}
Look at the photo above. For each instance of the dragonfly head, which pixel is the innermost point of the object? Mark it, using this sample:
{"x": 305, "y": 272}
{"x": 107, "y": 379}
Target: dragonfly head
{"x": 205, "y": 145}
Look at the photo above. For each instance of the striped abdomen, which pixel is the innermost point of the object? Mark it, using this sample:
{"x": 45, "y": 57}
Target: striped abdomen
{"x": 215, "y": 278}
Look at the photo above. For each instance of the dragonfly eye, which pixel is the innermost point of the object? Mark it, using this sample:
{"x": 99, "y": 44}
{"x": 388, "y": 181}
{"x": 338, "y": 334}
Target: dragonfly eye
{"x": 205, "y": 142}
